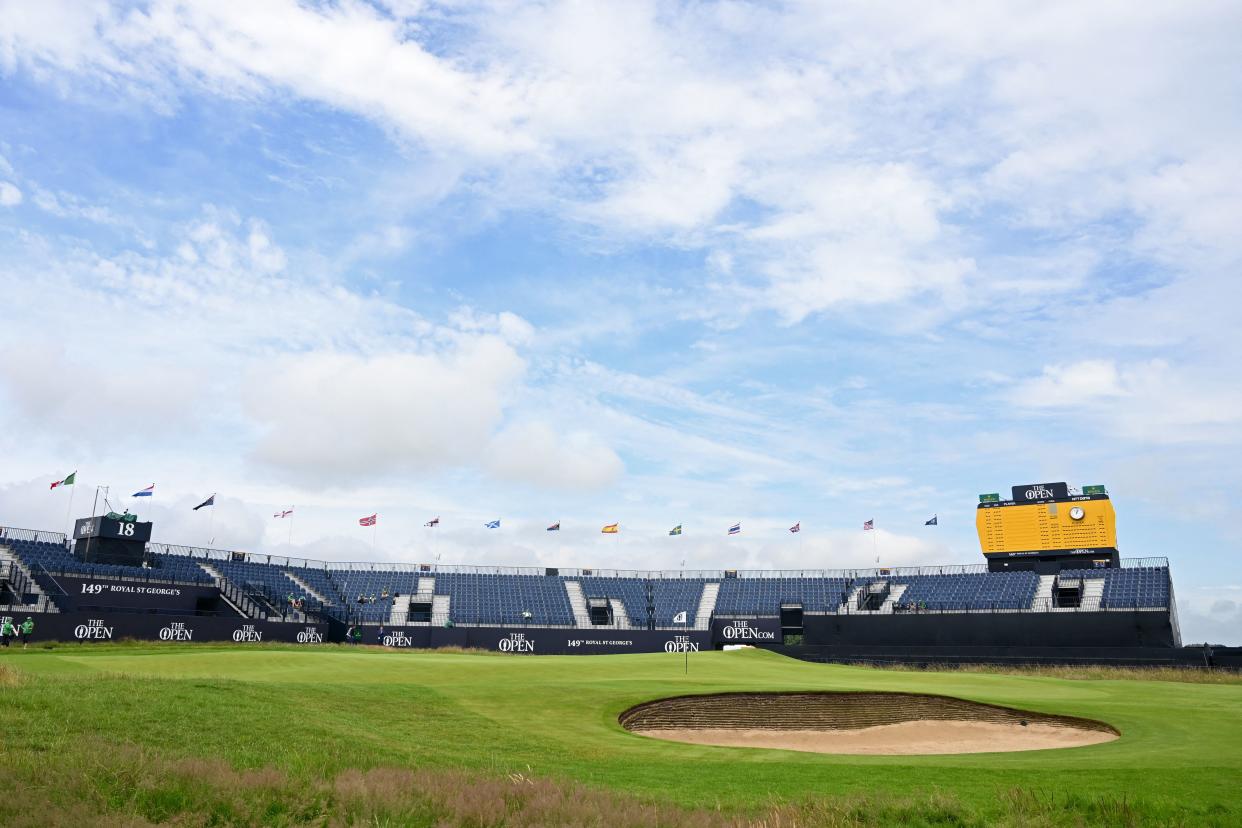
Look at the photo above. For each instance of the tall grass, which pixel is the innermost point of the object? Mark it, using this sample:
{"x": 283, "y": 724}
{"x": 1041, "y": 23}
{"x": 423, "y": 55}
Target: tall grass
{"x": 1193, "y": 675}
{"x": 123, "y": 785}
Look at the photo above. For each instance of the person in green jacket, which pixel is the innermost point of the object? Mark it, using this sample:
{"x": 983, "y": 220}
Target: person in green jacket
{"x": 27, "y": 628}
{"x": 6, "y": 631}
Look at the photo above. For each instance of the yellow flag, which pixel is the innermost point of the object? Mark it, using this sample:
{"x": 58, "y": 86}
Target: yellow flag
{"x": 610, "y": 529}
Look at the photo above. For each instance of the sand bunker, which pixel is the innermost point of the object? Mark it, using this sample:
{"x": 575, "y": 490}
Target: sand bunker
{"x": 859, "y": 723}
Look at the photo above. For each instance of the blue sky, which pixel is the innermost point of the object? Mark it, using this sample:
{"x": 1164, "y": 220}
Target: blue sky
{"x": 689, "y": 263}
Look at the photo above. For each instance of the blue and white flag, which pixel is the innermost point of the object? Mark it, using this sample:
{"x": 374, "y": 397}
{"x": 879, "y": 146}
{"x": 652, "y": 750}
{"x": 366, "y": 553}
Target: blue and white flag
{"x": 680, "y": 618}
{"x": 493, "y": 524}
{"x": 211, "y": 501}
{"x": 556, "y": 527}
{"x": 933, "y": 522}
{"x": 147, "y": 492}
{"x": 735, "y": 529}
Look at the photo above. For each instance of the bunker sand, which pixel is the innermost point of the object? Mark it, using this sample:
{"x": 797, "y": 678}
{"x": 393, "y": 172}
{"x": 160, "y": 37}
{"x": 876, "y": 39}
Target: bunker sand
{"x": 900, "y": 739}
{"x": 859, "y": 723}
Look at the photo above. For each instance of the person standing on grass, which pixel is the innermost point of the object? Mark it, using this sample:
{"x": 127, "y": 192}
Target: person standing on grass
{"x": 27, "y": 628}
{"x": 6, "y": 631}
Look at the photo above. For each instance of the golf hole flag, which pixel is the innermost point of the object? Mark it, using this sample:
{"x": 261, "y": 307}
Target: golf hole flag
{"x": 147, "y": 492}
{"x": 611, "y": 529}
{"x": 369, "y": 521}
{"x": 680, "y": 618}
{"x": 68, "y": 481}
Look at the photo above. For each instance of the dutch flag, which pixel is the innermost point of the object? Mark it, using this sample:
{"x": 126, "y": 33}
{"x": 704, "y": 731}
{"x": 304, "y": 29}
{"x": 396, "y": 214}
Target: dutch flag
{"x": 147, "y": 492}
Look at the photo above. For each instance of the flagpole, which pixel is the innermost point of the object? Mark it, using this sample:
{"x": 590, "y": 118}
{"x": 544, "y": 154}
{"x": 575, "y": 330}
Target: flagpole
{"x": 69, "y": 508}
{"x": 374, "y": 531}
{"x": 289, "y": 539}
{"x": 211, "y": 524}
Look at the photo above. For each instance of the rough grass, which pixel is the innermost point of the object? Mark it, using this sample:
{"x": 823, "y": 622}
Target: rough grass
{"x": 1194, "y": 675}
{"x": 269, "y": 735}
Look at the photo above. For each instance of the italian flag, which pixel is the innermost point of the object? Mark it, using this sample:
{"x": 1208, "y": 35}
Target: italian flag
{"x": 68, "y": 481}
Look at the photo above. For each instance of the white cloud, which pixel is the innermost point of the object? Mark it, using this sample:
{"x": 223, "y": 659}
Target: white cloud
{"x": 535, "y": 453}
{"x": 332, "y": 418}
{"x": 10, "y": 196}
{"x": 846, "y": 139}
{"x": 1152, "y": 401}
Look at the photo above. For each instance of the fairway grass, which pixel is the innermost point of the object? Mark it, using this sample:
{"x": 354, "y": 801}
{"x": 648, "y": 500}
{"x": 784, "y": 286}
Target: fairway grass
{"x": 200, "y": 734}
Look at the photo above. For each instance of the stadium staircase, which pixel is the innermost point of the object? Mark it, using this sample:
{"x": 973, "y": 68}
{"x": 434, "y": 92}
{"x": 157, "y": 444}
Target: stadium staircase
{"x": 893, "y": 596}
{"x": 440, "y": 608}
{"x": 1043, "y": 593}
{"x": 1092, "y": 592}
{"x": 233, "y": 596}
{"x": 308, "y": 589}
{"x": 707, "y": 605}
{"x": 577, "y": 602}
{"x": 400, "y": 613}
{"x": 27, "y": 584}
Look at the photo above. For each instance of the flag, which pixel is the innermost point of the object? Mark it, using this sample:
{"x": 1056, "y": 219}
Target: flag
{"x": 147, "y": 492}
{"x": 493, "y": 524}
{"x": 869, "y": 525}
{"x": 680, "y": 618}
{"x": 283, "y": 513}
{"x": 797, "y": 527}
{"x": 676, "y": 530}
{"x": 369, "y": 521}
{"x": 735, "y": 529}
{"x": 68, "y": 481}
{"x": 933, "y": 522}
{"x": 433, "y": 523}
{"x": 211, "y": 501}
{"x": 611, "y": 529}
{"x": 556, "y": 527}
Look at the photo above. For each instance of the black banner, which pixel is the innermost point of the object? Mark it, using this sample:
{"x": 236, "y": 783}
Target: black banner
{"x": 91, "y": 592}
{"x": 756, "y": 631}
{"x": 117, "y": 626}
{"x": 1040, "y": 492}
{"x": 541, "y": 641}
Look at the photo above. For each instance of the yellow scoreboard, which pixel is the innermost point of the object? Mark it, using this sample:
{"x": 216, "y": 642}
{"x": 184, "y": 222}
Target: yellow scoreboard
{"x": 1081, "y": 522}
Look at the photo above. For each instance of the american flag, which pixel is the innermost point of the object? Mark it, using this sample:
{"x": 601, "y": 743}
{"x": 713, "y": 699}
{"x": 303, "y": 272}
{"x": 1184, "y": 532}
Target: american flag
{"x": 435, "y": 521}
{"x": 797, "y": 527}
{"x": 283, "y": 513}
{"x": 368, "y": 521}
{"x": 735, "y": 529}
{"x": 869, "y": 525}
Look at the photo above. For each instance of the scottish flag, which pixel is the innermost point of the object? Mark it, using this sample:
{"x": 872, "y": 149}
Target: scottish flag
{"x": 493, "y": 524}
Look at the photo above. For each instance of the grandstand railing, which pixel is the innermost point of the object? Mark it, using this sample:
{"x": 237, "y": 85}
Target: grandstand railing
{"x": 36, "y": 535}
{"x": 430, "y": 569}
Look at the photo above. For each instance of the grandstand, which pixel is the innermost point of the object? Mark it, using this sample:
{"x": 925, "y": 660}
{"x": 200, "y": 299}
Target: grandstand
{"x": 1038, "y": 603}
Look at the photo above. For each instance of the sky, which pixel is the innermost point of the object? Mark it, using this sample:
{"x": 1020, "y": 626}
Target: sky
{"x": 647, "y": 263}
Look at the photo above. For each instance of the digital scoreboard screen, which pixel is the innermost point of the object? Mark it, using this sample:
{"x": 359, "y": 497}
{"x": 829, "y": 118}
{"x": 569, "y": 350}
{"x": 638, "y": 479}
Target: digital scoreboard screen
{"x": 1063, "y": 523}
